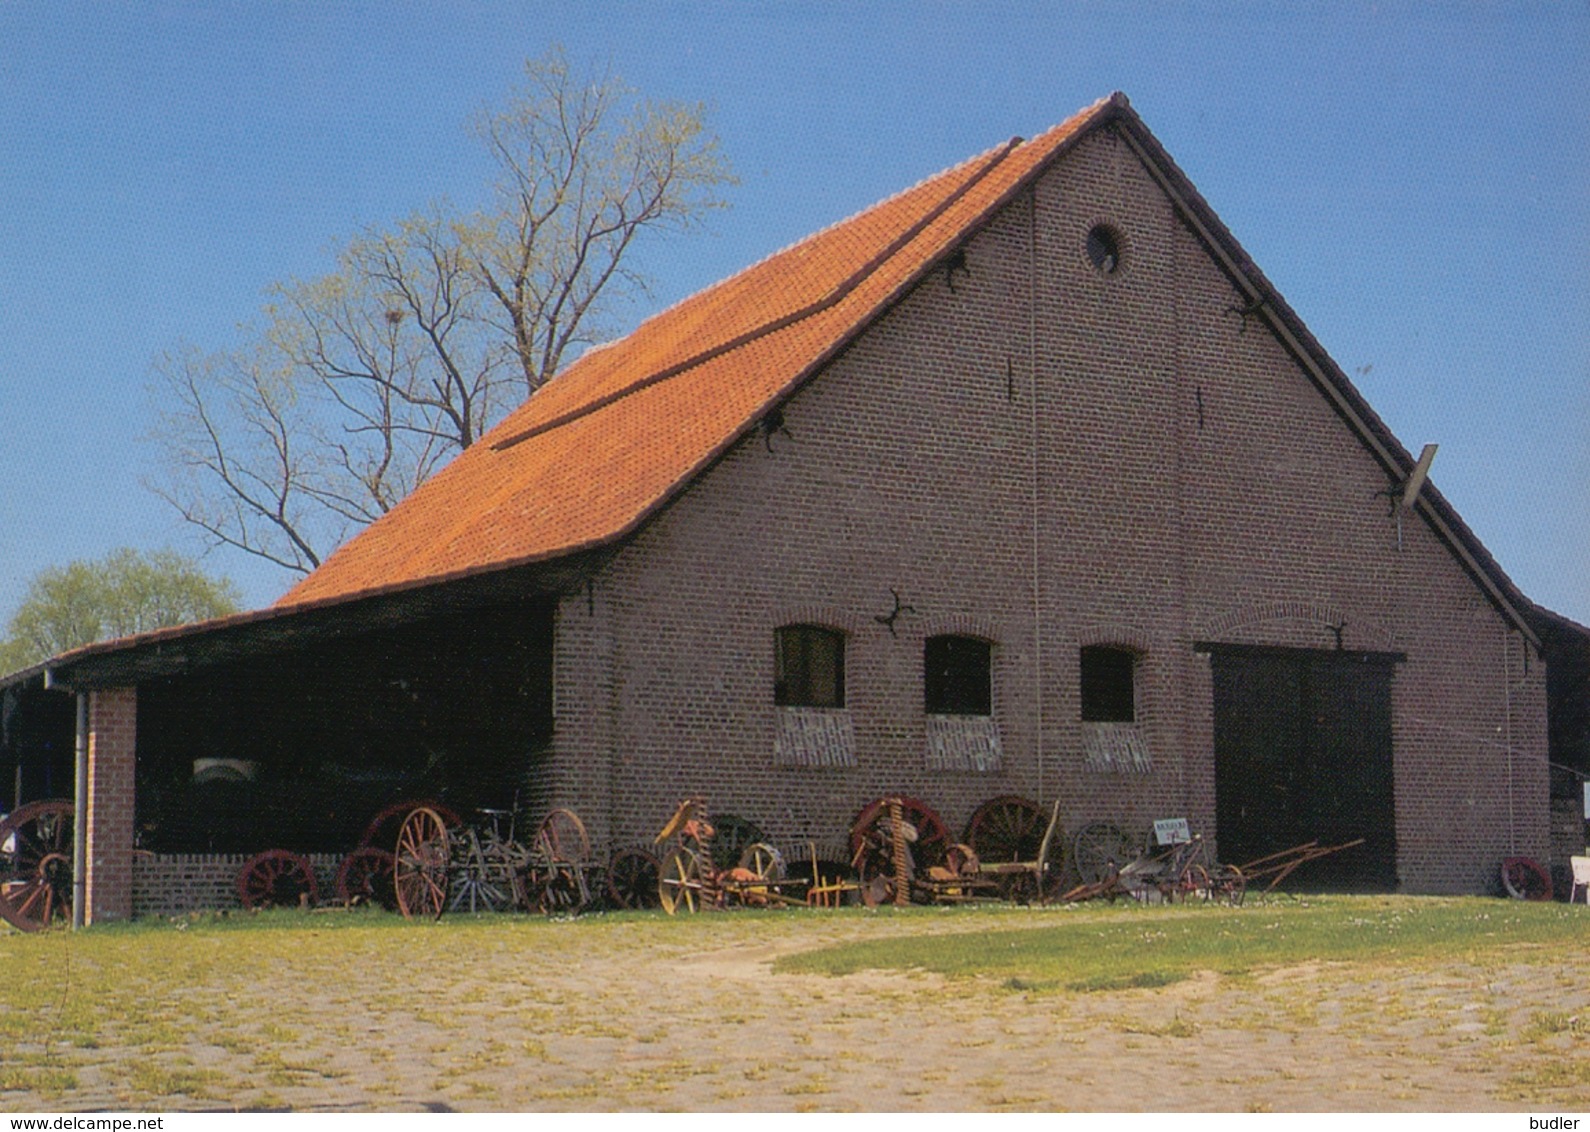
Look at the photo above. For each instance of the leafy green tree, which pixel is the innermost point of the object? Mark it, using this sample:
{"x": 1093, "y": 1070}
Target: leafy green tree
{"x": 358, "y": 385}
{"x": 13, "y": 656}
{"x": 123, "y": 593}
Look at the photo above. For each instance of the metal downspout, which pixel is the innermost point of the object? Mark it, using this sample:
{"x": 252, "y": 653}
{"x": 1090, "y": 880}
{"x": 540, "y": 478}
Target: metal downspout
{"x": 1037, "y": 592}
{"x": 80, "y": 816}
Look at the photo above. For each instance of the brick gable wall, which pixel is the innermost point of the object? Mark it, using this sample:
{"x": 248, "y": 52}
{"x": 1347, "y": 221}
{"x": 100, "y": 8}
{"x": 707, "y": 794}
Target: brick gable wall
{"x": 1057, "y": 458}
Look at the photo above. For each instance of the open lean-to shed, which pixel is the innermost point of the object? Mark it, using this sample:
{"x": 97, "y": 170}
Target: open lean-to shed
{"x": 1023, "y": 481}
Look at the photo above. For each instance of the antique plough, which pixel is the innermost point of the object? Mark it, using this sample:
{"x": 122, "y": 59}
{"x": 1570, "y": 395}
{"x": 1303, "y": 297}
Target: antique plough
{"x": 1185, "y": 870}
{"x": 689, "y": 879}
{"x": 1112, "y": 864}
{"x": 1276, "y": 867}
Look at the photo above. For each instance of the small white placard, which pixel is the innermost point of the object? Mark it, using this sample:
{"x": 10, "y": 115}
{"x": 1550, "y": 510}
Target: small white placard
{"x": 1587, "y": 800}
{"x": 1172, "y": 831}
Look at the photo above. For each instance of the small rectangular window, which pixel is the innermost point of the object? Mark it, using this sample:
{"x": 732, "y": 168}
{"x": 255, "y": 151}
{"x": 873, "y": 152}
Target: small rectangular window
{"x": 1108, "y": 676}
{"x": 957, "y": 676}
{"x": 809, "y": 667}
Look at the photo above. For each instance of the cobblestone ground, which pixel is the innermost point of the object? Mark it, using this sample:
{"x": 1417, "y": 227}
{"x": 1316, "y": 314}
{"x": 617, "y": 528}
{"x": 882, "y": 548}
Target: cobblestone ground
{"x": 609, "y": 1013}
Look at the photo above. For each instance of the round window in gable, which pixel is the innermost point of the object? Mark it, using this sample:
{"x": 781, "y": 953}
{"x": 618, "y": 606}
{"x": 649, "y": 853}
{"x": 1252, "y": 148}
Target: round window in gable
{"x": 1104, "y": 248}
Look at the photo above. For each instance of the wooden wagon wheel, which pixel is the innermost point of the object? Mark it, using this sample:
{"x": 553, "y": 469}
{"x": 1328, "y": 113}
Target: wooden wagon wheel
{"x": 365, "y": 877}
{"x": 1099, "y": 844}
{"x": 632, "y": 877}
{"x": 961, "y": 860}
{"x": 382, "y": 830}
{"x": 1011, "y": 828}
{"x": 475, "y": 881}
{"x": 1525, "y": 879}
{"x": 276, "y": 878}
{"x": 36, "y": 865}
{"x": 870, "y": 830}
{"x": 562, "y": 837}
{"x": 1007, "y": 828}
{"x": 419, "y": 869}
{"x": 732, "y": 835}
{"x": 560, "y": 855}
{"x": 680, "y": 886}
{"x": 754, "y": 877}
{"x": 560, "y": 887}
{"x": 763, "y": 862}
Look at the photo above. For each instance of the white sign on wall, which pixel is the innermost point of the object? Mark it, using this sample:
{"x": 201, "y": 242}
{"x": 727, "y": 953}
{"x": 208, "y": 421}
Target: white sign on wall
{"x": 1172, "y": 831}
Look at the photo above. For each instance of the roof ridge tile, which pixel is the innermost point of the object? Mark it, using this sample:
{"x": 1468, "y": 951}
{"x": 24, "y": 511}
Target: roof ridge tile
{"x": 793, "y": 245}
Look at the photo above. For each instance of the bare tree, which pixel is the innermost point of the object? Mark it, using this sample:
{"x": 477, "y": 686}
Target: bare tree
{"x": 582, "y": 176}
{"x": 358, "y": 385}
{"x": 240, "y": 455}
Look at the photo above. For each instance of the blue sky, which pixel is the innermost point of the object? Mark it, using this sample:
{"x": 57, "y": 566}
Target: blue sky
{"x": 1414, "y": 178}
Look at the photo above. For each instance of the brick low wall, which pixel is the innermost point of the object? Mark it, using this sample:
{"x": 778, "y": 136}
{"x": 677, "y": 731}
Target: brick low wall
{"x": 168, "y": 884}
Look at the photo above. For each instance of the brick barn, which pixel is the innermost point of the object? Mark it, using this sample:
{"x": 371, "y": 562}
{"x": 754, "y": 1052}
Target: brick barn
{"x": 1023, "y": 481}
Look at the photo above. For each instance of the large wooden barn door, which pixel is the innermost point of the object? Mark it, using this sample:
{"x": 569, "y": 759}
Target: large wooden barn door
{"x": 1303, "y": 753}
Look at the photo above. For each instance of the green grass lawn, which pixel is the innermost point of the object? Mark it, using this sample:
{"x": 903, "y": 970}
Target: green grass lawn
{"x": 1130, "y": 945}
{"x": 159, "y": 987}
{"x": 291, "y": 1007}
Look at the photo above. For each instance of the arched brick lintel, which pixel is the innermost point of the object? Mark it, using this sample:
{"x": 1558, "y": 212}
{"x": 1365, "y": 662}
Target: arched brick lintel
{"x": 1114, "y": 635}
{"x": 961, "y": 625}
{"x": 1327, "y": 616}
{"x": 828, "y": 616}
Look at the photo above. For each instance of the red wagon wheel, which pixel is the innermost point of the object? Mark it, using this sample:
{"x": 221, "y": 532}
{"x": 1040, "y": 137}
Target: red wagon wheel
{"x": 869, "y": 838}
{"x": 382, "y": 831}
{"x": 276, "y": 878}
{"x": 419, "y": 868}
{"x": 365, "y": 877}
{"x": 632, "y": 877}
{"x": 36, "y": 865}
{"x": 1525, "y": 879}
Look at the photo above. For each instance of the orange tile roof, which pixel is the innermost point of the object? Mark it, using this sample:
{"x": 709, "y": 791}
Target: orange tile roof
{"x": 610, "y": 440}
{"x": 598, "y": 449}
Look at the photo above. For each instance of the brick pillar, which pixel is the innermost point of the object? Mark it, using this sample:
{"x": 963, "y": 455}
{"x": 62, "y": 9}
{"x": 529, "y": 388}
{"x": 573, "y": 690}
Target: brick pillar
{"x": 112, "y": 743}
